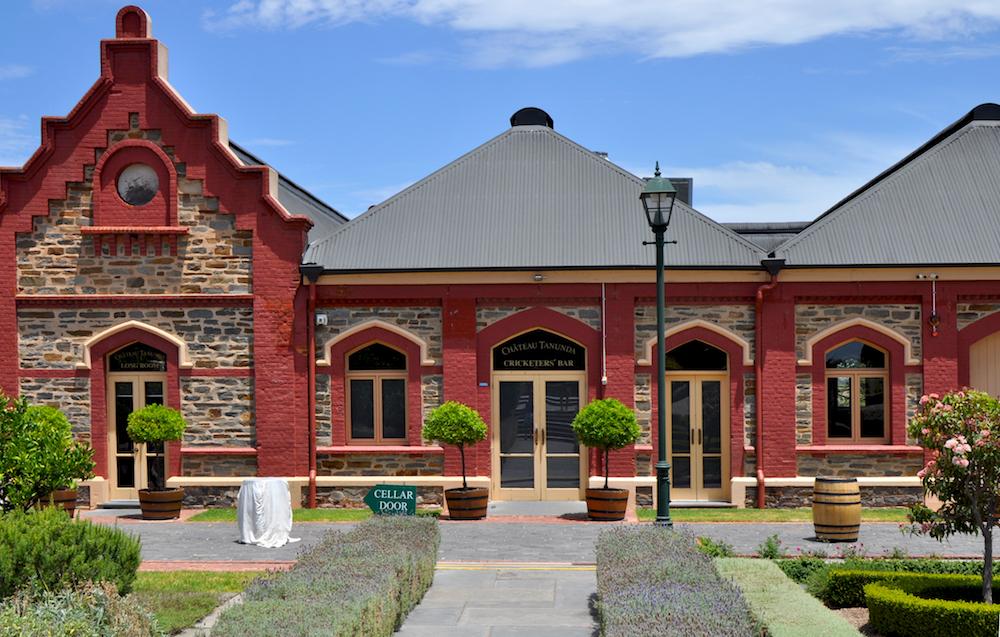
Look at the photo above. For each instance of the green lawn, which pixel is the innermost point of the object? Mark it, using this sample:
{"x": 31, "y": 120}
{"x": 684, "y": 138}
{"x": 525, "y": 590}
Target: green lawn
{"x": 766, "y": 515}
{"x": 180, "y": 598}
{"x": 299, "y": 515}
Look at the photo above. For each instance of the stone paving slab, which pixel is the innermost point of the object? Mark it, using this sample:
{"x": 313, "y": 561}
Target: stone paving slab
{"x": 506, "y": 599}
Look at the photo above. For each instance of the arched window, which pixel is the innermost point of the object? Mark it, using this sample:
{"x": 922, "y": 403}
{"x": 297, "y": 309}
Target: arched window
{"x": 377, "y": 395}
{"x": 696, "y": 356}
{"x": 857, "y": 382}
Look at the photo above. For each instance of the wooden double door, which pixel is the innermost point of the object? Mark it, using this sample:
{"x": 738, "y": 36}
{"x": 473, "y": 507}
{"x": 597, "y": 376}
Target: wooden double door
{"x": 133, "y": 464}
{"x": 698, "y": 426}
{"x": 536, "y": 455}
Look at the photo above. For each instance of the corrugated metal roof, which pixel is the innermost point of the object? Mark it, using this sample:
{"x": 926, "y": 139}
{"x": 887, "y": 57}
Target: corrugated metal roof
{"x": 939, "y": 206}
{"x": 297, "y": 200}
{"x": 527, "y": 199}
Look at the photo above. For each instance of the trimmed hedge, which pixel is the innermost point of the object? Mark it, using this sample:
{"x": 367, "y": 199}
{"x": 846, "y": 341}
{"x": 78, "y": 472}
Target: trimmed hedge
{"x": 800, "y": 569}
{"x": 361, "y": 583}
{"x": 908, "y": 606}
{"x": 47, "y": 550}
{"x": 654, "y": 581}
{"x": 840, "y": 585}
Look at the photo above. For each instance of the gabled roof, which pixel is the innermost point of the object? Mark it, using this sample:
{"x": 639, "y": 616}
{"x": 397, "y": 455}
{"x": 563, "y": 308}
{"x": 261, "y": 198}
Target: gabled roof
{"x": 528, "y": 199}
{"x": 938, "y": 206}
{"x": 296, "y": 199}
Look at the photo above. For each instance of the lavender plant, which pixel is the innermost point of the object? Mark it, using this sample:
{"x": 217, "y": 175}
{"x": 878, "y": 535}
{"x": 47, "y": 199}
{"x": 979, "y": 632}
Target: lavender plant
{"x": 653, "y": 581}
{"x": 359, "y": 583}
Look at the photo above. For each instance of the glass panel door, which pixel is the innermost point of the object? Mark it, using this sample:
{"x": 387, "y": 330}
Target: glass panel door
{"x": 133, "y": 466}
{"x": 535, "y": 453}
{"x": 698, "y": 427}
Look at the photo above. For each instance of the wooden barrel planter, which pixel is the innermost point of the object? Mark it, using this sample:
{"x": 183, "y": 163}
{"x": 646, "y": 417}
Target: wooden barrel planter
{"x": 837, "y": 509}
{"x": 64, "y": 499}
{"x": 607, "y": 505}
{"x": 161, "y": 505}
{"x": 467, "y": 504}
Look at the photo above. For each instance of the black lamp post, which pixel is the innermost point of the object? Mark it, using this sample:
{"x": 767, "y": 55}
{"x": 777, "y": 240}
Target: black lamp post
{"x": 658, "y": 200}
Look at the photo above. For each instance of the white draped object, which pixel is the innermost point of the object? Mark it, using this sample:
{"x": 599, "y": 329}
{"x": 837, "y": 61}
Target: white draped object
{"x": 264, "y": 512}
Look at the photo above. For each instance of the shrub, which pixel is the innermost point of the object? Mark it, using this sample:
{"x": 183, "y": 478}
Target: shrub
{"x": 909, "y": 607}
{"x": 782, "y": 605}
{"x": 653, "y": 581}
{"x": 606, "y": 424}
{"x": 455, "y": 424}
{"x": 47, "y": 550}
{"x": 800, "y": 569}
{"x": 37, "y": 453}
{"x": 711, "y": 548}
{"x": 95, "y": 610}
{"x": 359, "y": 583}
{"x": 770, "y": 548}
{"x": 155, "y": 424}
{"x": 819, "y": 582}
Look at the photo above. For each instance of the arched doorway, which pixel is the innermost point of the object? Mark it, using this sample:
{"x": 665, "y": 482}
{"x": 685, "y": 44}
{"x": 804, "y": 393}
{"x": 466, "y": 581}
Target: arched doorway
{"x": 136, "y": 377}
{"x": 984, "y": 365}
{"x": 539, "y": 384}
{"x": 698, "y": 421}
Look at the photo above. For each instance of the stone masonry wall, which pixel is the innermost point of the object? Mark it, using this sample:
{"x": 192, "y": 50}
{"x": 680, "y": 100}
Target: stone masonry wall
{"x": 218, "y": 467}
{"x": 487, "y": 316}
{"x": 380, "y": 464}
{"x": 800, "y": 497}
{"x": 914, "y": 389}
{"x": 904, "y": 319}
{"x": 324, "y": 413}
{"x": 969, "y": 313}
{"x": 71, "y": 396}
{"x": 219, "y": 412}
{"x": 216, "y": 337}
{"x": 803, "y": 409}
{"x": 739, "y": 319}
{"x": 56, "y": 258}
{"x": 432, "y": 393}
{"x": 642, "y": 395}
{"x": 353, "y": 497}
{"x": 859, "y": 465}
{"x": 422, "y": 322}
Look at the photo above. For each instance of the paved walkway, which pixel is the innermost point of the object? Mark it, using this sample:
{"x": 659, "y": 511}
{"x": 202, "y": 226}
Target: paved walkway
{"x": 528, "y": 569}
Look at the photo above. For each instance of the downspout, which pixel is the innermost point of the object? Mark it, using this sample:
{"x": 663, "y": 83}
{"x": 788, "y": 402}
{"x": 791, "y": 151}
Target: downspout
{"x": 773, "y": 266}
{"x": 312, "y": 273}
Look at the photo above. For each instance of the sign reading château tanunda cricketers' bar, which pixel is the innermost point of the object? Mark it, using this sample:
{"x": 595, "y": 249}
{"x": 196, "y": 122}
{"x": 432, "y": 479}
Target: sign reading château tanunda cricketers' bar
{"x": 539, "y": 350}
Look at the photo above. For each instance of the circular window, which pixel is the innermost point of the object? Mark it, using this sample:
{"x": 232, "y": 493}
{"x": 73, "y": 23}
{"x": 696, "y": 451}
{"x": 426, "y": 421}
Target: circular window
{"x": 138, "y": 184}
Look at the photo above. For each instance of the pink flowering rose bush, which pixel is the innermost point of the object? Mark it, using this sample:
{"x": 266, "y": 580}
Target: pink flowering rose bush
{"x": 962, "y": 432}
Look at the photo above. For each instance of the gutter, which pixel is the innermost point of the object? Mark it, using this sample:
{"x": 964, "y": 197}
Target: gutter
{"x": 773, "y": 266}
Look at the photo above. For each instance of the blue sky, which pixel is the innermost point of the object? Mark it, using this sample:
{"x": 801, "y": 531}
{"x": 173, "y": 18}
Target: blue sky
{"x": 777, "y": 108}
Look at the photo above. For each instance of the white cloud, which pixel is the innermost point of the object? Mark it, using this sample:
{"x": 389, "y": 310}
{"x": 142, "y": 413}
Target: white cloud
{"x": 543, "y": 33}
{"x": 12, "y": 71}
{"x": 264, "y": 141}
{"x": 375, "y": 196}
{"x": 16, "y": 143}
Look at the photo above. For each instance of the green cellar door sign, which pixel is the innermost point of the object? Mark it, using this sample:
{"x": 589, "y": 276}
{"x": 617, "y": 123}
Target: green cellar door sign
{"x": 392, "y": 499}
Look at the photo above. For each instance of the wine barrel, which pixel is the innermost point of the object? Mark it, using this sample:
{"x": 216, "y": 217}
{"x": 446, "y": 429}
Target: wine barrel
{"x": 467, "y": 504}
{"x": 837, "y": 509}
{"x": 607, "y": 505}
{"x": 64, "y": 499}
{"x": 161, "y": 505}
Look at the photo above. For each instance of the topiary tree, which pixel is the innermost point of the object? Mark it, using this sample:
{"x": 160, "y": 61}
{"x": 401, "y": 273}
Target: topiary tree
{"x": 962, "y": 430}
{"x": 455, "y": 424}
{"x": 606, "y": 424}
{"x": 37, "y": 453}
{"x": 153, "y": 424}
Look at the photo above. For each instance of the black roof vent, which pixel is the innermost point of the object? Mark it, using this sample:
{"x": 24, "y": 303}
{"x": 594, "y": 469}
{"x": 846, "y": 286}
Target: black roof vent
{"x": 531, "y": 117}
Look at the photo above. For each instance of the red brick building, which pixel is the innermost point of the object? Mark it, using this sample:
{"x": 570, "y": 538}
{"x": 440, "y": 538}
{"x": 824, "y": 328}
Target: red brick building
{"x": 144, "y": 257}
